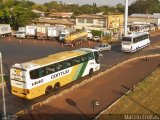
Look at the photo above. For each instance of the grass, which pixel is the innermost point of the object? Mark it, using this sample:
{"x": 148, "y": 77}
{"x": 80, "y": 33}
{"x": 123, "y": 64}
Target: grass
{"x": 145, "y": 99}
{"x": 6, "y": 79}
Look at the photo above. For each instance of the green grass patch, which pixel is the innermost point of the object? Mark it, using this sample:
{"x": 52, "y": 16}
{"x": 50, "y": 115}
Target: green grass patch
{"x": 6, "y": 79}
{"x": 145, "y": 99}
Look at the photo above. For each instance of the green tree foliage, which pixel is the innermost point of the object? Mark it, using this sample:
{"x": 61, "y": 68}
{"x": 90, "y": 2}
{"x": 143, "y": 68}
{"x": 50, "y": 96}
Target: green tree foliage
{"x": 16, "y": 13}
{"x": 96, "y": 33}
{"x": 19, "y": 12}
{"x": 120, "y": 8}
{"x": 39, "y": 7}
{"x": 84, "y": 9}
{"x": 54, "y": 5}
{"x": 145, "y": 6}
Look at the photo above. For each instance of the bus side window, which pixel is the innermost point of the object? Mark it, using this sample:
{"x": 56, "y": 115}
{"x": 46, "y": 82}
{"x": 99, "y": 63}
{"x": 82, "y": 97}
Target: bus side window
{"x": 84, "y": 58}
{"x": 90, "y": 56}
{"x": 42, "y": 72}
{"x": 34, "y": 74}
{"x": 50, "y": 69}
{"x": 76, "y": 60}
{"x": 59, "y": 66}
{"x": 69, "y": 63}
{"x": 37, "y": 73}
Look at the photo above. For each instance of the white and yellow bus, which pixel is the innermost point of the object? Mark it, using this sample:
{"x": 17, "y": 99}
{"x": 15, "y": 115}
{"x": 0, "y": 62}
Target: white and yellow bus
{"x": 43, "y": 76}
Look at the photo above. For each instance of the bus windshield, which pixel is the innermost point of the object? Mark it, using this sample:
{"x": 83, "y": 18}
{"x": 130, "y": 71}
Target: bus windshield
{"x": 96, "y": 54}
{"x": 127, "y": 39}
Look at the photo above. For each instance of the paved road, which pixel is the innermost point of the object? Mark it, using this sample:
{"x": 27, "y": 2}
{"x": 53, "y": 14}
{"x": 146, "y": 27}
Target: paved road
{"x": 24, "y": 50}
{"x": 104, "y": 89}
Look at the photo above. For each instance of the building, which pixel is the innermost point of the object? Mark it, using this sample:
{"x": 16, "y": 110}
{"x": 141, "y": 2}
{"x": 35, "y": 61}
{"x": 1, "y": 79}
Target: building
{"x": 61, "y": 14}
{"x": 114, "y": 21}
{"x": 40, "y": 13}
{"x": 145, "y": 19}
{"x": 56, "y": 22}
{"x": 90, "y": 21}
{"x": 99, "y": 22}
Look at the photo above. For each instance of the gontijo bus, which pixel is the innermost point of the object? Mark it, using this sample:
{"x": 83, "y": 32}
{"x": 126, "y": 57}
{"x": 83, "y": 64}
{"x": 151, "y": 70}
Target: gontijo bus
{"x": 134, "y": 42}
{"x": 35, "y": 78}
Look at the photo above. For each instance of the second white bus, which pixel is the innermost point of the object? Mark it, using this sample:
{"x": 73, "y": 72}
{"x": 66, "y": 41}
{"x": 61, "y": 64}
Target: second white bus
{"x": 134, "y": 42}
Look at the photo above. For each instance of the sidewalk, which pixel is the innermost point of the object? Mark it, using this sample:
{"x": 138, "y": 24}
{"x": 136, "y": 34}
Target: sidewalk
{"x": 86, "y": 101}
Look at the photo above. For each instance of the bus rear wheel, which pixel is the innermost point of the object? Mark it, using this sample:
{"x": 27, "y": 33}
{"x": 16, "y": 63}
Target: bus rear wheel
{"x": 48, "y": 90}
{"x": 57, "y": 87}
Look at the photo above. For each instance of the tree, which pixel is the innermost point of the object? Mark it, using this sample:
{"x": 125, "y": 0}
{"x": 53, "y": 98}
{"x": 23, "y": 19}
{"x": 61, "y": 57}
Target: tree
{"x": 21, "y": 16}
{"x": 39, "y": 7}
{"x": 16, "y": 13}
{"x": 120, "y": 8}
{"x": 145, "y": 6}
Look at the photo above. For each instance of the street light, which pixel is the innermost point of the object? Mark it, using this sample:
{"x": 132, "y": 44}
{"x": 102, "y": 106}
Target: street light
{"x": 126, "y": 18}
{"x": 119, "y": 28}
{"x": 3, "y": 97}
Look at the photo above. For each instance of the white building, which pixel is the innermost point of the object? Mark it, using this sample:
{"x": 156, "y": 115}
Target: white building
{"x": 145, "y": 19}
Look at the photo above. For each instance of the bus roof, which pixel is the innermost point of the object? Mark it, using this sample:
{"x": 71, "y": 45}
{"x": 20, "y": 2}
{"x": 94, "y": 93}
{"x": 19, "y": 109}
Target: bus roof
{"x": 53, "y": 58}
{"x": 136, "y": 34}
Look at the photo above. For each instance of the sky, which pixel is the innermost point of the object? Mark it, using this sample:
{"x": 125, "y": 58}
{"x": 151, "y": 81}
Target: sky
{"x": 82, "y": 2}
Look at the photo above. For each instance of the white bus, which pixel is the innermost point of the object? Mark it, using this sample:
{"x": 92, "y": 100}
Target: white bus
{"x": 35, "y": 78}
{"x": 134, "y": 42}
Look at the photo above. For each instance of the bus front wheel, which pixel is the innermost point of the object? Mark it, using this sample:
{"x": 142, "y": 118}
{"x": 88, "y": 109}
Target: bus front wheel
{"x": 91, "y": 71}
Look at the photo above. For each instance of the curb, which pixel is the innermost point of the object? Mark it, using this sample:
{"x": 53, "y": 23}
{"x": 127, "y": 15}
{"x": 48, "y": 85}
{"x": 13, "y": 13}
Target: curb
{"x": 25, "y": 111}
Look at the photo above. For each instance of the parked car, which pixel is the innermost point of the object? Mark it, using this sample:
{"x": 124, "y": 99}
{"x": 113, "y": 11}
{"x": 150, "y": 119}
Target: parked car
{"x": 96, "y": 38}
{"x": 103, "y": 47}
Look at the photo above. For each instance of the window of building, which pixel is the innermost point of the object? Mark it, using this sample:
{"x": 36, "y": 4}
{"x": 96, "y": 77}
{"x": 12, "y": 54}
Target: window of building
{"x": 89, "y": 20}
{"x": 80, "y": 20}
{"x": 101, "y": 22}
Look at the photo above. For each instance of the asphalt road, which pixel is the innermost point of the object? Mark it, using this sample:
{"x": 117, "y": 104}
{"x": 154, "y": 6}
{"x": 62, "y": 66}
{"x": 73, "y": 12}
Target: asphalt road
{"x": 17, "y": 51}
{"x": 107, "y": 88}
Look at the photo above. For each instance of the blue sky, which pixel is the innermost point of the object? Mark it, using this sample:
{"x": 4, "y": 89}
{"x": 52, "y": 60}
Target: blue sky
{"x": 81, "y": 2}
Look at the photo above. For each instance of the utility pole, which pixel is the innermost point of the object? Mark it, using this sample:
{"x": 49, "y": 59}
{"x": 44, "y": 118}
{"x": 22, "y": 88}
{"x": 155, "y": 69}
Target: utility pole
{"x": 126, "y": 17}
{"x": 3, "y": 96}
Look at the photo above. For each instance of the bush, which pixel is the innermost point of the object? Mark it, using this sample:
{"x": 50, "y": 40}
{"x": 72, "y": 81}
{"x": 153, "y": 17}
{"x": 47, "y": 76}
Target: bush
{"x": 96, "y": 33}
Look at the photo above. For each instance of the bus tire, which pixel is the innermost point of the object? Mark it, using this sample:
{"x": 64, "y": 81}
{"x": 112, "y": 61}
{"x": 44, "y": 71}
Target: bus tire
{"x": 56, "y": 87}
{"x": 91, "y": 71}
{"x": 137, "y": 49}
{"x": 48, "y": 90}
